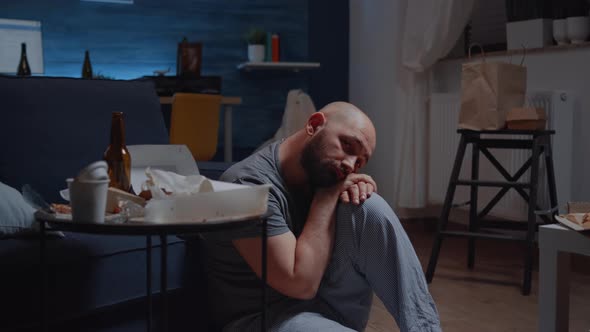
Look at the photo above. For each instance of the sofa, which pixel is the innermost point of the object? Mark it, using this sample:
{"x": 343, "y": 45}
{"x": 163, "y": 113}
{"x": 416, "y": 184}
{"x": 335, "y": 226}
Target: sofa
{"x": 51, "y": 128}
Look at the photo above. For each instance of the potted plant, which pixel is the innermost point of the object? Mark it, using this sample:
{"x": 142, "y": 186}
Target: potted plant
{"x": 256, "y": 39}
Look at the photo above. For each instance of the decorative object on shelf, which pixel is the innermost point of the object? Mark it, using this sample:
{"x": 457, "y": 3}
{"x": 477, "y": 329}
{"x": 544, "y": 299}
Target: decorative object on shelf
{"x": 188, "y": 61}
{"x": 23, "y": 65}
{"x": 578, "y": 29}
{"x": 577, "y": 21}
{"x": 529, "y": 23}
{"x": 87, "y": 67}
{"x": 256, "y": 39}
{"x": 535, "y": 33}
{"x": 268, "y": 50}
{"x": 560, "y": 32}
{"x": 276, "y": 47}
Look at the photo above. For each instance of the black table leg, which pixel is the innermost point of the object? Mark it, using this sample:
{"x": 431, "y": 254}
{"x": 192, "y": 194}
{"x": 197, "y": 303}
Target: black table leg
{"x": 473, "y": 222}
{"x": 263, "y": 325}
{"x": 148, "y": 282}
{"x": 551, "y": 178}
{"x": 164, "y": 281}
{"x": 444, "y": 218}
{"x": 532, "y": 219}
{"x": 43, "y": 266}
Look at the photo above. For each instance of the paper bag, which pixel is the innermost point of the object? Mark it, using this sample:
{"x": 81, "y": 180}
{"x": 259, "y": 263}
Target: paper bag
{"x": 488, "y": 91}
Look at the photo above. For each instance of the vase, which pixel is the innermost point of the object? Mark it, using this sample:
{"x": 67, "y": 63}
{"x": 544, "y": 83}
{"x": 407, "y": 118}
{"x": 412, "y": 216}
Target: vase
{"x": 255, "y": 53}
{"x": 560, "y": 32}
{"x": 578, "y": 29}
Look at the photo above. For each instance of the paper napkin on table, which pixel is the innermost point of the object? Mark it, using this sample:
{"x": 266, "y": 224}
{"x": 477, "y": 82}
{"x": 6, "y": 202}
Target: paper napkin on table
{"x": 174, "y": 184}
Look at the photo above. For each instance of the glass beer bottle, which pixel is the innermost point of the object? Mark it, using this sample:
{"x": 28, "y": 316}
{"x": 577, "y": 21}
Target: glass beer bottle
{"x": 117, "y": 156}
{"x": 23, "y": 65}
{"x": 87, "y": 67}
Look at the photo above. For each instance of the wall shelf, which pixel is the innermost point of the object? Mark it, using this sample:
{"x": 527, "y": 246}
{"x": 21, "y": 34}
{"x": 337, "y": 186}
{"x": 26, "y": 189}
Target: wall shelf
{"x": 546, "y": 49}
{"x": 290, "y": 66}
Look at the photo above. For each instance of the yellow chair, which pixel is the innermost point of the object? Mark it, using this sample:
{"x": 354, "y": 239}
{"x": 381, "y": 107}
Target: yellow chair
{"x": 194, "y": 121}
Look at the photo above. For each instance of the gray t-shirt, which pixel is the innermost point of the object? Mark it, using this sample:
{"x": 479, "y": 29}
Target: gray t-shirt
{"x": 234, "y": 289}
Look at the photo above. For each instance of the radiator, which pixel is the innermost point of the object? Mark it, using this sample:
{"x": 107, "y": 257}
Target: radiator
{"x": 443, "y": 142}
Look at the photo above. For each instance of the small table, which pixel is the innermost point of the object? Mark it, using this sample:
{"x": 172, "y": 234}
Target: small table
{"x": 148, "y": 230}
{"x": 227, "y": 103}
{"x": 556, "y": 242}
{"x": 539, "y": 143}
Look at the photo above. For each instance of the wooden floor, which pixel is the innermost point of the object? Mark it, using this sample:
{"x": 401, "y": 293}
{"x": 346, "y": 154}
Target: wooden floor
{"x": 487, "y": 298}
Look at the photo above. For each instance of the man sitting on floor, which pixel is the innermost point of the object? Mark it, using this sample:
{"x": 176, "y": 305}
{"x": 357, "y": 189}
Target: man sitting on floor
{"x": 332, "y": 239}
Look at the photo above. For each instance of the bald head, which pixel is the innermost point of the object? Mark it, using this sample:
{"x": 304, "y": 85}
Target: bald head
{"x": 346, "y": 114}
{"x": 336, "y": 141}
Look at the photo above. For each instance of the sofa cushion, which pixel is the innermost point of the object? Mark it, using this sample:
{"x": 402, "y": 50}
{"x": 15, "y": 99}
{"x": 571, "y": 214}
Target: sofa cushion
{"x": 16, "y": 215}
{"x": 53, "y": 127}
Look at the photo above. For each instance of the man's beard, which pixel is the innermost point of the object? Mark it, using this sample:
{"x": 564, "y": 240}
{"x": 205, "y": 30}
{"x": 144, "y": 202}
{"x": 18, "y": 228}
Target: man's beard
{"x": 319, "y": 172}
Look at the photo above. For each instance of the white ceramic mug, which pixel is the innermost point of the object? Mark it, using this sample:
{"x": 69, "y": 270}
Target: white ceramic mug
{"x": 88, "y": 200}
{"x": 560, "y": 31}
{"x": 578, "y": 29}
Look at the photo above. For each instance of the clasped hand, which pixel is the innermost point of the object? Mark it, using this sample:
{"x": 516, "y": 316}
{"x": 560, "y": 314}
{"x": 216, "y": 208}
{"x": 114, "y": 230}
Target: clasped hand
{"x": 356, "y": 188}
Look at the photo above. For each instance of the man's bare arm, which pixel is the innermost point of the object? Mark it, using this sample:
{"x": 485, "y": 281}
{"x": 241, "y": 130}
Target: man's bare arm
{"x": 296, "y": 265}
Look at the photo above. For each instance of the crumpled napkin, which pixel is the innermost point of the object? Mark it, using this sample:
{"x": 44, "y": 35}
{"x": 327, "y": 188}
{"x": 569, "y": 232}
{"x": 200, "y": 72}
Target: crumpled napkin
{"x": 196, "y": 199}
{"x": 174, "y": 184}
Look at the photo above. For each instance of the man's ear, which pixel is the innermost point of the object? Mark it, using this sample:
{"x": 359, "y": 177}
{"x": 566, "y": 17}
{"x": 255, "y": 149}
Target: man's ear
{"x": 315, "y": 122}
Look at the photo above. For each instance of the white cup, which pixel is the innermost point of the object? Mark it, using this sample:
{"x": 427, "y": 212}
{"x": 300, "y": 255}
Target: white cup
{"x": 578, "y": 29}
{"x": 560, "y": 32}
{"x": 88, "y": 200}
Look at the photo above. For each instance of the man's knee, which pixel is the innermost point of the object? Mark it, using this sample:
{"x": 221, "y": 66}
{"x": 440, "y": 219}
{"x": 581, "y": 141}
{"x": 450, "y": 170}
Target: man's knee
{"x": 374, "y": 210}
{"x": 376, "y": 205}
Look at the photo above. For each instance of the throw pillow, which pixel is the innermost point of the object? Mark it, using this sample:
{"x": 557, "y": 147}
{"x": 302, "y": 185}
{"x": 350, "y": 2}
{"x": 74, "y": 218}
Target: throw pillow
{"x": 16, "y": 215}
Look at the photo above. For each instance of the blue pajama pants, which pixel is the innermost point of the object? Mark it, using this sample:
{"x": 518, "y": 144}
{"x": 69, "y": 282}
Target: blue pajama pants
{"x": 372, "y": 253}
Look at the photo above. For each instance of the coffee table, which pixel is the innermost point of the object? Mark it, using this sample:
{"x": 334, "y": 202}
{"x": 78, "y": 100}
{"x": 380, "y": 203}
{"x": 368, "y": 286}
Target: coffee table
{"x": 556, "y": 243}
{"x": 142, "y": 228}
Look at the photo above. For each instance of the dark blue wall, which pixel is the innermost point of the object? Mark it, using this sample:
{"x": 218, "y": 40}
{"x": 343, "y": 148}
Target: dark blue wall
{"x": 328, "y": 44}
{"x": 130, "y": 41}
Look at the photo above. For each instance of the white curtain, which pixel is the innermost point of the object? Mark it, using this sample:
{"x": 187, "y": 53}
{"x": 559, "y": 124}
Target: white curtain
{"x": 430, "y": 31}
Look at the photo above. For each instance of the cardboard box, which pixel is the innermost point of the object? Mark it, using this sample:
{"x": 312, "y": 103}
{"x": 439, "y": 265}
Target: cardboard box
{"x": 535, "y": 33}
{"x": 578, "y": 207}
{"x": 526, "y": 118}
